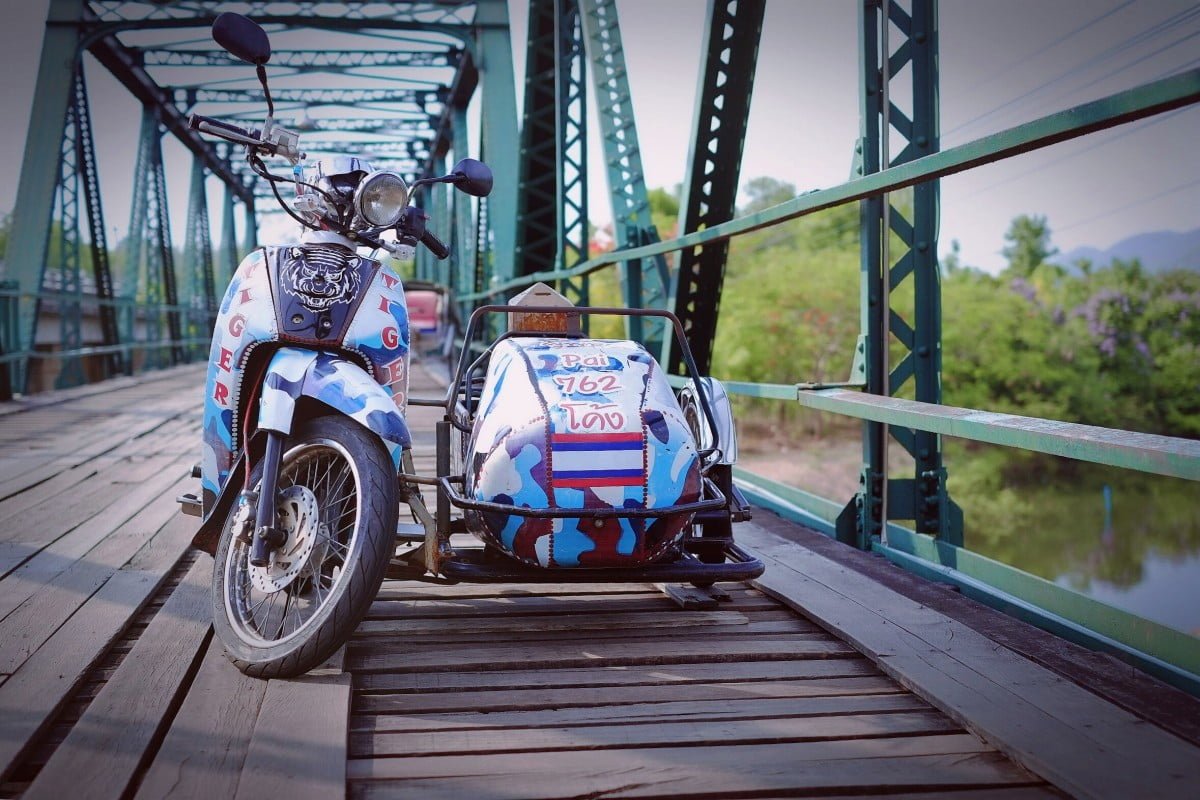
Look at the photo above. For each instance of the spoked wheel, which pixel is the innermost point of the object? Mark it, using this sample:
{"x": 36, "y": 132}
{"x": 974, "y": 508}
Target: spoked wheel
{"x": 337, "y": 503}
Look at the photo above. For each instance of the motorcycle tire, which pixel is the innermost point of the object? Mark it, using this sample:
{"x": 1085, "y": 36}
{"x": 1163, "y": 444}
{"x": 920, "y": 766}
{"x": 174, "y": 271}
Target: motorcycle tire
{"x": 341, "y": 470}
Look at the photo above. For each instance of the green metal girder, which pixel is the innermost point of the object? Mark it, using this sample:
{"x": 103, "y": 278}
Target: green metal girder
{"x": 25, "y": 259}
{"x": 714, "y": 164}
{"x": 198, "y": 259}
{"x": 319, "y": 59}
{"x": 552, "y": 224}
{"x": 499, "y": 142}
{"x": 912, "y": 264}
{"x": 1145, "y": 452}
{"x": 229, "y": 248}
{"x": 644, "y": 281}
{"x": 65, "y": 278}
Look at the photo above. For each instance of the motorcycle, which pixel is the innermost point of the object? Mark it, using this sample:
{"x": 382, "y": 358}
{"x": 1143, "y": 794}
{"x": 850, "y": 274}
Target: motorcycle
{"x": 571, "y": 458}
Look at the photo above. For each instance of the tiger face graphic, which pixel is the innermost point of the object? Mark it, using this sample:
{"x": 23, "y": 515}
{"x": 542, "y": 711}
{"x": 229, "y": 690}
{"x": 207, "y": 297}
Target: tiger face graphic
{"x": 319, "y": 277}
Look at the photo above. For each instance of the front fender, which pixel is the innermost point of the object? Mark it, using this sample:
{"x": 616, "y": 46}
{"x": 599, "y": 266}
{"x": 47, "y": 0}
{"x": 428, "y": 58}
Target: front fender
{"x": 340, "y": 384}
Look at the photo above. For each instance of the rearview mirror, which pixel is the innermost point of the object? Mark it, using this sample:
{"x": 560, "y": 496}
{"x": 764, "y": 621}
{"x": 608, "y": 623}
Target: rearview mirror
{"x": 472, "y": 177}
{"x": 242, "y": 38}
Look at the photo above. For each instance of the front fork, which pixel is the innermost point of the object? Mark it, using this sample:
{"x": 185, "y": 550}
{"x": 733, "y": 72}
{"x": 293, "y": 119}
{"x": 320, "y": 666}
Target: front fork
{"x": 267, "y": 537}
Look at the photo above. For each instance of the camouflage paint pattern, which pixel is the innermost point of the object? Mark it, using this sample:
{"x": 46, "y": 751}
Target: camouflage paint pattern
{"x": 579, "y": 424}
{"x": 340, "y": 384}
{"x": 377, "y": 333}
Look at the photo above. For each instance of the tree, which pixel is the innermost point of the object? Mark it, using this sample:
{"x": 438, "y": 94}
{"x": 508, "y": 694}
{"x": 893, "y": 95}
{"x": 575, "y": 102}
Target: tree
{"x": 1029, "y": 245}
{"x": 765, "y": 192}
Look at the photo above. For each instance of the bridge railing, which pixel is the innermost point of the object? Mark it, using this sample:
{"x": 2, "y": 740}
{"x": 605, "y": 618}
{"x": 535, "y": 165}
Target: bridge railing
{"x": 145, "y": 342}
{"x": 1168, "y": 653}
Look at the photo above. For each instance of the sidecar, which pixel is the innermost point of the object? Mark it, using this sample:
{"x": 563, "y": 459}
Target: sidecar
{"x": 580, "y": 462}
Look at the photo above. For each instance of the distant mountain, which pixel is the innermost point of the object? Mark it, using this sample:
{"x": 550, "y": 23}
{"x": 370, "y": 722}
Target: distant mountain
{"x": 1158, "y": 252}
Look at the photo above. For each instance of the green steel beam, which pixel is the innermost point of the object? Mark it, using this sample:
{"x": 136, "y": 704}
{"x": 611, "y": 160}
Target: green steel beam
{"x": 538, "y": 207}
{"x": 714, "y": 164}
{"x": 198, "y": 259}
{"x": 911, "y": 54}
{"x": 570, "y": 89}
{"x": 500, "y": 146}
{"x": 1130, "y": 105}
{"x": 28, "y": 244}
{"x": 89, "y": 178}
{"x": 66, "y": 276}
{"x": 318, "y": 59}
{"x": 1145, "y": 452}
{"x": 552, "y": 224}
{"x": 644, "y": 282}
{"x": 229, "y": 249}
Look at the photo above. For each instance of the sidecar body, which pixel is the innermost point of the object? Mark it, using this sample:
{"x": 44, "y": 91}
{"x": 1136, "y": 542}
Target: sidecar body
{"x": 580, "y": 460}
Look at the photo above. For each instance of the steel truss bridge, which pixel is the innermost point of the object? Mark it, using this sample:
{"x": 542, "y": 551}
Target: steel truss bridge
{"x": 398, "y": 83}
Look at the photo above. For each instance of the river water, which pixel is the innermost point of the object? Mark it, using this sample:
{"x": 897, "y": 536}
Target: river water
{"x": 1129, "y": 539}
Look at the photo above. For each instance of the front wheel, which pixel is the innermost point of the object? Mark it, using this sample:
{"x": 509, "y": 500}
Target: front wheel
{"x": 337, "y": 502}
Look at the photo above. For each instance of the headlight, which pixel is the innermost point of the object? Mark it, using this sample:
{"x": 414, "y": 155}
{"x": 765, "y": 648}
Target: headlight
{"x": 381, "y": 198}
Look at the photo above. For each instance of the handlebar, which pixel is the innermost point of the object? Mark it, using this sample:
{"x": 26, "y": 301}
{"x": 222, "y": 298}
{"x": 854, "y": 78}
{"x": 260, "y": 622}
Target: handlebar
{"x": 435, "y": 245}
{"x": 216, "y": 127}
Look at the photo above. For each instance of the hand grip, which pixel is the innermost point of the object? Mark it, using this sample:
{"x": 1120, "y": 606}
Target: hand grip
{"x": 195, "y": 121}
{"x": 435, "y": 245}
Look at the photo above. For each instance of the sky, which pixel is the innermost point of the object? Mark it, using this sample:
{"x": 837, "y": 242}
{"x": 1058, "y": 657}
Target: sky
{"x": 1001, "y": 63}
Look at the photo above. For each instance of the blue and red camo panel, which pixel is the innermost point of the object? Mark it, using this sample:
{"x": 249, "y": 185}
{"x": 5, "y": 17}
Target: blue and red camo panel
{"x": 580, "y": 424}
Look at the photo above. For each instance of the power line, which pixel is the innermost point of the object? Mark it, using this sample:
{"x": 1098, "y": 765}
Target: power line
{"x": 1134, "y": 204}
{"x": 1139, "y": 38}
{"x": 1007, "y": 68}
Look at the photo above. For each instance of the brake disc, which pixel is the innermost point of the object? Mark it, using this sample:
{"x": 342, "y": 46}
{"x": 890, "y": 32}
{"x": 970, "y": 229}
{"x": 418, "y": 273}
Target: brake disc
{"x": 298, "y": 515}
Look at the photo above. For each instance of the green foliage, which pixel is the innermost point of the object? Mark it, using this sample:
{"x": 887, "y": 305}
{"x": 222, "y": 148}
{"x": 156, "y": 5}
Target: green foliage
{"x": 1028, "y": 244}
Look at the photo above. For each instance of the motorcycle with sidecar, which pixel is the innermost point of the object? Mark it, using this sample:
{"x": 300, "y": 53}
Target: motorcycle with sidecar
{"x": 571, "y": 458}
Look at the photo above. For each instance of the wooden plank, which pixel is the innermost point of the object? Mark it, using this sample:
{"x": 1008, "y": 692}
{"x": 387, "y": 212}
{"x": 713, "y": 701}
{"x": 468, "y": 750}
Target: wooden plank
{"x": 298, "y": 750}
{"x": 595, "y": 696}
{"x": 83, "y": 437}
{"x": 1007, "y": 793}
{"x": 202, "y": 754}
{"x": 415, "y": 590}
{"x": 37, "y": 574}
{"x": 701, "y": 709}
{"x": 389, "y": 633}
{"x": 109, "y": 742}
{"x": 1062, "y": 732}
{"x": 654, "y": 675}
{"x": 528, "y": 606}
{"x": 26, "y": 628}
{"x": 595, "y": 654}
{"x": 38, "y": 688}
{"x": 607, "y": 737}
{"x": 925, "y": 762}
{"x": 549, "y": 623}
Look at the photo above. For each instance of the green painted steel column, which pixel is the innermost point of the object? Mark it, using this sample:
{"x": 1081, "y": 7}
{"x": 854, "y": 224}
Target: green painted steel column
{"x": 493, "y": 57}
{"x": 860, "y": 519}
{"x": 202, "y": 290}
{"x": 645, "y": 281}
{"x": 250, "y": 235}
{"x": 25, "y": 259}
{"x": 714, "y": 164}
{"x": 229, "y": 248}
{"x": 912, "y": 267}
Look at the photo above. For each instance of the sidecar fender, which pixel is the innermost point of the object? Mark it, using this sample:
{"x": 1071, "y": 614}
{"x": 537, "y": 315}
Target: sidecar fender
{"x": 338, "y": 383}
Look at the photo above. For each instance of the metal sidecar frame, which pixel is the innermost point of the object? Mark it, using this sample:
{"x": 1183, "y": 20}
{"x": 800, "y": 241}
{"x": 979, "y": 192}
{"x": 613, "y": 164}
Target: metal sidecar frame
{"x": 706, "y": 554}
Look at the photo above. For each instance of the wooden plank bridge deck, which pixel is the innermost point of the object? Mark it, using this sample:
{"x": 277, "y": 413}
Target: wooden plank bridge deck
{"x": 818, "y": 681}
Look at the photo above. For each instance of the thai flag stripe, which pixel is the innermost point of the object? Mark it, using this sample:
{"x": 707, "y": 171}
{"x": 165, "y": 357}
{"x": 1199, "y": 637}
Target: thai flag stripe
{"x": 591, "y": 483}
{"x": 634, "y": 437}
{"x": 563, "y": 447}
